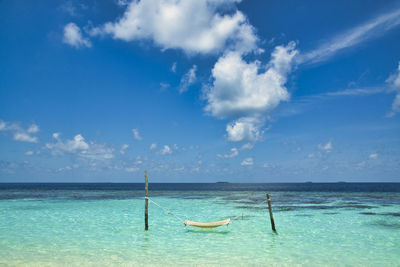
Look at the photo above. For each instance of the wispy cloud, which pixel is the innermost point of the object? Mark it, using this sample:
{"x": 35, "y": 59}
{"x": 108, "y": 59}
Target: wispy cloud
{"x": 73, "y": 8}
{"x": 173, "y": 67}
{"x": 164, "y": 86}
{"x": 131, "y": 169}
{"x": 122, "y": 2}
{"x": 356, "y": 92}
{"x": 79, "y": 146}
{"x": 29, "y": 153}
{"x": 327, "y": 147}
{"x": 188, "y": 79}
{"x": 166, "y": 150}
{"x": 352, "y": 37}
{"x": 248, "y": 146}
{"x": 136, "y": 134}
{"x": 394, "y": 83}
{"x": 123, "y": 149}
{"x": 73, "y": 36}
{"x": 68, "y": 8}
{"x": 234, "y": 152}
{"x": 19, "y": 133}
{"x": 301, "y": 104}
{"x": 153, "y": 146}
{"x": 33, "y": 129}
{"x": 373, "y": 156}
{"x": 24, "y": 137}
{"x": 247, "y": 162}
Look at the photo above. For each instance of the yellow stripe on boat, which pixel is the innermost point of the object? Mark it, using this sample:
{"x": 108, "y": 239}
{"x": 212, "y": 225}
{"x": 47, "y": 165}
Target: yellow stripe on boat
{"x": 208, "y": 224}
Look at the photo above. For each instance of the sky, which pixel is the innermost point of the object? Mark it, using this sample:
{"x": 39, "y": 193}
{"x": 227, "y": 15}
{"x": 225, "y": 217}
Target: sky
{"x": 199, "y": 91}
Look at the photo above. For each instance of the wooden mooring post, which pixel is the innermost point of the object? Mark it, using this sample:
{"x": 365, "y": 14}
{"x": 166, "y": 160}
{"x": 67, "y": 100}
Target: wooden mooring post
{"x": 271, "y": 216}
{"x": 146, "y": 202}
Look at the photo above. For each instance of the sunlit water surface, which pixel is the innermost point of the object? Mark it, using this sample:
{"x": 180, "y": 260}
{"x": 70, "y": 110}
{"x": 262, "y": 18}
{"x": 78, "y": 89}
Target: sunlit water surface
{"x": 106, "y": 227}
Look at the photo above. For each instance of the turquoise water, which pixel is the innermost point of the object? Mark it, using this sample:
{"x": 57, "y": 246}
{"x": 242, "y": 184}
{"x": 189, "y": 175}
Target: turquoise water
{"x": 107, "y": 228}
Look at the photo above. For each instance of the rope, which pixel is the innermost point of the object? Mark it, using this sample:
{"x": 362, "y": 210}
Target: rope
{"x": 180, "y": 219}
{"x": 164, "y": 209}
{"x": 234, "y": 218}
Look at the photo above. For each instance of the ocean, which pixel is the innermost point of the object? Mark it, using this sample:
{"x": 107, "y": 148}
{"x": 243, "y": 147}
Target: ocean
{"x": 318, "y": 224}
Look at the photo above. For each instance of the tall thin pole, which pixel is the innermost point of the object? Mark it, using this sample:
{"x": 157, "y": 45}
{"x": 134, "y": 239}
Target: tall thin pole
{"x": 146, "y": 202}
{"x": 270, "y": 213}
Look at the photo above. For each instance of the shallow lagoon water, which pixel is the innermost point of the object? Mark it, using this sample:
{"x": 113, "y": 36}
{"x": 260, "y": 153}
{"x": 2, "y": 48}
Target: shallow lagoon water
{"x": 84, "y": 226}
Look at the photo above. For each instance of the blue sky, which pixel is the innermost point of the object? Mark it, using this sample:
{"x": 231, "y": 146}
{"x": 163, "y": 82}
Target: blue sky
{"x": 199, "y": 91}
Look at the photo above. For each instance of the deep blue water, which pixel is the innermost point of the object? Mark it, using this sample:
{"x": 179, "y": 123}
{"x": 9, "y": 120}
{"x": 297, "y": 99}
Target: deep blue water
{"x": 268, "y": 187}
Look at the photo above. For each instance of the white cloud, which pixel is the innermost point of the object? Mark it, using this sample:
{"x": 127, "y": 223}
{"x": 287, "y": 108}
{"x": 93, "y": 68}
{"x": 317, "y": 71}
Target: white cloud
{"x": 248, "y": 146}
{"x": 244, "y": 129}
{"x": 24, "y": 137}
{"x": 153, "y": 146}
{"x": 373, "y": 156}
{"x": 97, "y": 152}
{"x": 33, "y": 129}
{"x": 122, "y": 2}
{"x": 327, "y": 147}
{"x": 73, "y": 36}
{"x": 360, "y": 165}
{"x": 241, "y": 88}
{"x": 71, "y": 146}
{"x": 354, "y": 92}
{"x": 131, "y": 169}
{"x": 29, "y": 153}
{"x": 301, "y": 104}
{"x": 72, "y": 9}
{"x": 396, "y": 77}
{"x": 297, "y": 149}
{"x": 195, "y": 169}
{"x": 19, "y": 133}
{"x": 195, "y": 26}
{"x": 164, "y": 86}
{"x": 138, "y": 160}
{"x": 136, "y": 134}
{"x": 248, "y": 91}
{"x": 123, "y": 149}
{"x": 66, "y": 168}
{"x": 394, "y": 81}
{"x": 234, "y": 152}
{"x": 166, "y": 150}
{"x": 68, "y": 8}
{"x": 352, "y": 37}
{"x": 267, "y": 166}
{"x": 78, "y": 145}
{"x": 395, "y": 105}
{"x": 188, "y": 79}
{"x": 173, "y": 67}
{"x": 56, "y": 135}
{"x": 247, "y": 162}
